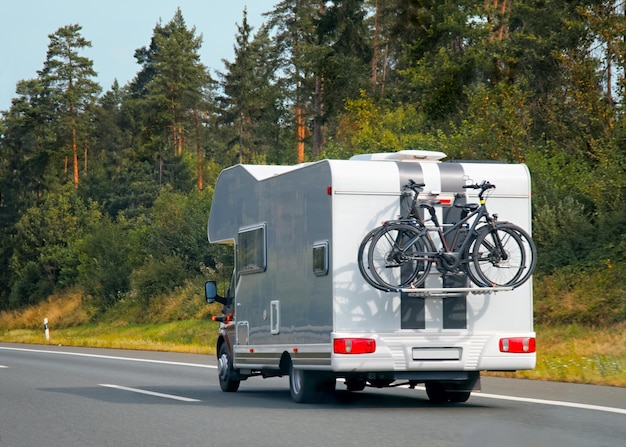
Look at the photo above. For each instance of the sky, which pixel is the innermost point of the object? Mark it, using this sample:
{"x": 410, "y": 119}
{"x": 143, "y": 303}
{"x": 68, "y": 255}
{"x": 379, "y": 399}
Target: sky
{"x": 116, "y": 28}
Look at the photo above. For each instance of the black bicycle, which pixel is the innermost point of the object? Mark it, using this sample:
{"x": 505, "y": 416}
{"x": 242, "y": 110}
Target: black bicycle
{"x": 412, "y": 216}
{"x": 400, "y": 253}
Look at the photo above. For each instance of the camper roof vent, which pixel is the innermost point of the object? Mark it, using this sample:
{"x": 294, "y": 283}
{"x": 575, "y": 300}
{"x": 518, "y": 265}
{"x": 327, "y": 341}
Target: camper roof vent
{"x": 408, "y": 155}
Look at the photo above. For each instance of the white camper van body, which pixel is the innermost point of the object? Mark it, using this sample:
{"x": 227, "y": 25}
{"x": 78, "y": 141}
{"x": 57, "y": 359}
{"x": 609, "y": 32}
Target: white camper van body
{"x": 299, "y": 294}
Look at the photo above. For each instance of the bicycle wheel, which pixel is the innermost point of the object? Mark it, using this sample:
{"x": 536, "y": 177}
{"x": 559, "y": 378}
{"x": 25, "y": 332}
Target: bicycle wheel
{"x": 529, "y": 248}
{"x": 363, "y": 258}
{"x": 499, "y": 256}
{"x": 469, "y": 266}
{"x": 400, "y": 255}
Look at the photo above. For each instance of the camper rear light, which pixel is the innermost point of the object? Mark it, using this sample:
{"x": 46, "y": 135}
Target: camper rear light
{"x": 517, "y": 345}
{"x": 354, "y": 345}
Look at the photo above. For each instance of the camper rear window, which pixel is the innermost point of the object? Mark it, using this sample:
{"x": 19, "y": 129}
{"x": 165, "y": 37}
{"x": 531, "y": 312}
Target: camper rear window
{"x": 251, "y": 250}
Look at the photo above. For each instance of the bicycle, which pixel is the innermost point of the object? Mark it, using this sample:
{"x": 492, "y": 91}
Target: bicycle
{"x": 400, "y": 253}
{"x": 412, "y": 215}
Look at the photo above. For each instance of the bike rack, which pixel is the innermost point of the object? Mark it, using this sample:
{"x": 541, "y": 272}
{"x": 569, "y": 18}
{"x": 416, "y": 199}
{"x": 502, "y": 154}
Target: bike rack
{"x": 452, "y": 291}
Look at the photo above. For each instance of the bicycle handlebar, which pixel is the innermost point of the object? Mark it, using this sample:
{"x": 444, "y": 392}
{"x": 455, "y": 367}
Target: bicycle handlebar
{"x": 484, "y": 186}
{"x": 416, "y": 187}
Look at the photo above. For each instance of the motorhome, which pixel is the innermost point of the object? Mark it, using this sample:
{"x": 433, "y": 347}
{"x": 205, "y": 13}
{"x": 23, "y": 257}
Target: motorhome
{"x": 298, "y": 305}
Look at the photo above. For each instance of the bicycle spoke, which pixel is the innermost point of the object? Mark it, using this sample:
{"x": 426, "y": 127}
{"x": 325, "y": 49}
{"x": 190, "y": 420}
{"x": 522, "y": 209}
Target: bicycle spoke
{"x": 499, "y": 257}
{"x": 398, "y": 256}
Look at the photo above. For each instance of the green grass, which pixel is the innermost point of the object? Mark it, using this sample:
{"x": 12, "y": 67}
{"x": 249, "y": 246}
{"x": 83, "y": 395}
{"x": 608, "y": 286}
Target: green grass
{"x": 579, "y": 355}
{"x": 191, "y": 336}
{"x": 566, "y": 353}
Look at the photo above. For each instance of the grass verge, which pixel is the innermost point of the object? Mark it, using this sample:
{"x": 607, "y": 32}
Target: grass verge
{"x": 565, "y": 353}
{"x": 190, "y": 336}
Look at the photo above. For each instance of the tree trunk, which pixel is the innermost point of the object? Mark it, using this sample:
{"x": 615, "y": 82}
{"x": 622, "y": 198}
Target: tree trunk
{"x": 198, "y": 151}
{"x": 376, "y": 37}
{"x": 74, "y": 148}
{"x": 300, "y": 133}
{"x": 318, "y": 138}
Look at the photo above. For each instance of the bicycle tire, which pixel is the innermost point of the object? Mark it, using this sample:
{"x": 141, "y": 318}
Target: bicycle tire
{"x": 499, "y": 256}
{"x": 400, "y": 256}
{"x": 362, "y": 258}
{"x": 529, "y": 247}
{"x": 469, "y": 266}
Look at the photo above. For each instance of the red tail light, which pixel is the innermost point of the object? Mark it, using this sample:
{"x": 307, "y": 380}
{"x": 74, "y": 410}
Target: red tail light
{"x": 520, "y": 345}
{"x": 354, "y": 345}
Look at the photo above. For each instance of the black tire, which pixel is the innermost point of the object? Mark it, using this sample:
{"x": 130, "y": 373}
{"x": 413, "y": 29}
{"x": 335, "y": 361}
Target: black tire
{"x": 436, "y": 392}
{"x": 529, "y": 247}
{"x": 363, "y": 262}
{"x": 309, "y": 386}
{"x": 470, "y": 267}
{"x": 400, "y": 255}
{"x": 499, "y": 257}
{"x": 228, "y": 381}
{"x": 355, "y": 383}
{"x": 458, "y": 397}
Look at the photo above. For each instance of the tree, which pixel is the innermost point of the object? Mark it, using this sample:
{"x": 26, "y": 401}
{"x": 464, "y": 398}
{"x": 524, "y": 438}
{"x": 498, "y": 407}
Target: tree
{"x": 343, "y": 72}
{"x": 436, "y": 45}
{"x": 68, "y": 75}
{"x": 295, "y": 38}
{"x": 45, "y": 254}
{"x": 325, "y": 57}
{"x": 250, "y": 105}
{"x": 171, "y": 85}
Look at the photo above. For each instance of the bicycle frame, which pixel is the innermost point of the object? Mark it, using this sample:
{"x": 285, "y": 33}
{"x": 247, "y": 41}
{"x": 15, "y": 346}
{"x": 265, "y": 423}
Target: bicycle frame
{"x": 450, "y": 257}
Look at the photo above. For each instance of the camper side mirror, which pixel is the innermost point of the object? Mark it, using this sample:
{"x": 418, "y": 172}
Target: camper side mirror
{"x": 210, "y": 291}
{"x": 210, "y": 294}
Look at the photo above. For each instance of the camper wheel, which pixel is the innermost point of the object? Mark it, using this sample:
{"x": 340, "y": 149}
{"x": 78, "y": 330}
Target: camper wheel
{"x": 225, "y": 370}
{"x": 355, "y": 383}
{"x": 309, "y": 386}
{"x": 437, "y": 393}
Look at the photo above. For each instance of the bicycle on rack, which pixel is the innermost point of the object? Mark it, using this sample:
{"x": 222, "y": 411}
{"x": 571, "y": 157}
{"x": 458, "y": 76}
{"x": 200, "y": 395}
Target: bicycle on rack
{"x": 400, "y": 253}
{"x": 412, "y": 216}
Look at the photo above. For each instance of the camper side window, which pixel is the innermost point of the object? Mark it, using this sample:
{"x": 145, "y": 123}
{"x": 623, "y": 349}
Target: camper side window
{"x": 320, "y": 258}
{"x": 251, "y": 250}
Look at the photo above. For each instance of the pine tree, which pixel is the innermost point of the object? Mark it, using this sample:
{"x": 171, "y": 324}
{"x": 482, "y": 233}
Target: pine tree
{"x": 250, "y": 104}
{"x": 169, "y": 88}
{"x": 68, "y": 76}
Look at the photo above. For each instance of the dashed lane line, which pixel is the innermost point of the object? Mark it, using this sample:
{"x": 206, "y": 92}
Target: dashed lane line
{"x": 198, "y": 365}
{"x": 149, "y": 393}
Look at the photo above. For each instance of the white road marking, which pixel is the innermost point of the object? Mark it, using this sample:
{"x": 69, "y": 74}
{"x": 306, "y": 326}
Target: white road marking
{"x": 2, "y": 366}
{"x": 149, "y": 393}
{"x": 552, "y": 402}
{"x": 197, "y": 365}
{"x": 557, "y": 403}
{"x": 110, "y": 357}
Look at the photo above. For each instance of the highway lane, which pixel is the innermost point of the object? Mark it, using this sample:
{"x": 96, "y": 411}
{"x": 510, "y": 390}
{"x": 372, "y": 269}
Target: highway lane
{"x": 62, "y": 396}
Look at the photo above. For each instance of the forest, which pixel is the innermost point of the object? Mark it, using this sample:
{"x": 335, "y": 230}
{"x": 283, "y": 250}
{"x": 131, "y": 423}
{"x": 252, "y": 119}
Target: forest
{"x": 107, "y": 190}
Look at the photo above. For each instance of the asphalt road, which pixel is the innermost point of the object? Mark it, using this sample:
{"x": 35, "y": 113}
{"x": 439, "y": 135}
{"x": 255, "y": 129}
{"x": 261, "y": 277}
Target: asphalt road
{"x": 60, "y": 396}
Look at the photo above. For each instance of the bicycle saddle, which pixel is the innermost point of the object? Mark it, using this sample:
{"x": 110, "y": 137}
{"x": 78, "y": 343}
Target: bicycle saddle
{"x": 467, "y": 206}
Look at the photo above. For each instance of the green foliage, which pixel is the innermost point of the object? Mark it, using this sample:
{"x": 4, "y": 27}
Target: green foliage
{"x": 45, "y": 250}
{"x": 105, "y": 263}
{"x": 535, "y": 82}
{"x": 157, "y": 277}
{"x": 592, "y": 295}
{"x": 177, "y": 228}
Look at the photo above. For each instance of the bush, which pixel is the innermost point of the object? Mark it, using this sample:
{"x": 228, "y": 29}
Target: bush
{"x": 157, "y": 277}
{"x": 589, "y": 295}
{"x": 105, "y": 267}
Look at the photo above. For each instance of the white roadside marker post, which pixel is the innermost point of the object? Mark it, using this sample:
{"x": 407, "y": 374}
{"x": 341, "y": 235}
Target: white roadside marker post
{"x": 45, "y": 328}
